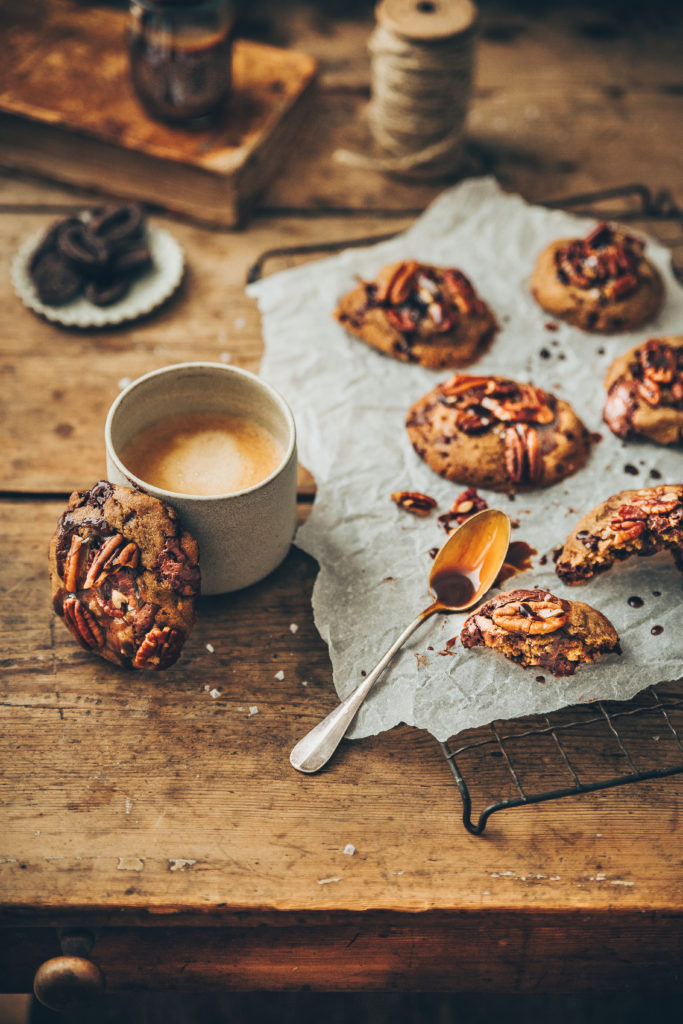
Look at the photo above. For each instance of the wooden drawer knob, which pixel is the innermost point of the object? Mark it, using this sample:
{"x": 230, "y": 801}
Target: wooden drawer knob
{"x": 66, "y": 982}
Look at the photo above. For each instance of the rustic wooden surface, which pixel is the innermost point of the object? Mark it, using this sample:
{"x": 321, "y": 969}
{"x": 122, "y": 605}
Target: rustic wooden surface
{"x": 172, "y": 820}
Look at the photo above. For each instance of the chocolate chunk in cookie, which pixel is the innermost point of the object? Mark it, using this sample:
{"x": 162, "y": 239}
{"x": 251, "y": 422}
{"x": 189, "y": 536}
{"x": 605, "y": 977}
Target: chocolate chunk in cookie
{"x": 535, "y": 628}
{"x": 645, "y": 392}
{"x": 124, "y": 576}
{"x": 601, "y": 283}
{"x": 419, "y": 314}
{"x": 628, "y": 523}
{"x": 493, "y": 432}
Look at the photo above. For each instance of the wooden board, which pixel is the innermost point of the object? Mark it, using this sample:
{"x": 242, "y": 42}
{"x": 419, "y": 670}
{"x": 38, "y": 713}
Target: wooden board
{"x": 68, "y": 111}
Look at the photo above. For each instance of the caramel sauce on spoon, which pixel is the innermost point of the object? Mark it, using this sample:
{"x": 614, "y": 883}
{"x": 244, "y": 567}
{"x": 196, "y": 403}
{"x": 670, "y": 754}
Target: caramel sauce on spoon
{"x": 464, "y": 569}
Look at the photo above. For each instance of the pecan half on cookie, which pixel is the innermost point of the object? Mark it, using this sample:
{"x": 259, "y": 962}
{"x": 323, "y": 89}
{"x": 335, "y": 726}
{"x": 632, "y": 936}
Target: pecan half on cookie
{"x": 601, "y": 283}
{"x": 497, "y": 433}
{"x": 124, "y": 576}
{"x": 628, "y": 523}
{"x": 535, "y": 628}
{"x": 645, "y": 392}
{"x": 419, "y": 314}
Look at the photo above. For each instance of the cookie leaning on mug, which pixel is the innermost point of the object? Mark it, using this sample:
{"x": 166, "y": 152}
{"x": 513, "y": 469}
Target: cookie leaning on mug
{"x": 124, "y": 576}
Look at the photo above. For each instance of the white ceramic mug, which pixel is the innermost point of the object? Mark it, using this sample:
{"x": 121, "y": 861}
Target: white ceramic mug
{"x": 243, "y": 535}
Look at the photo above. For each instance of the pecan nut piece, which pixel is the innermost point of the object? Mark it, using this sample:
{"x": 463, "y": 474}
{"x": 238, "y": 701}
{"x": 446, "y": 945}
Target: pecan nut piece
{"x": 460, "y": 291}
{"x": 114, "y": 553}
{"x": 628, "y": 523}
{"x": 83, "y": 624}
{"x": 531, "y": 405}
{"x": 160, "y": 648}
{"x": 523, "y": 457}
{"x": 74, "y": 563}
{"x": 395, "y": 282}
{"x": 654, "y": 505}
{"x": 622, "y": 286}
{"x": 650, "y": 391}
{"x": 658, "y": 361}
{"x": 472, "y": 422}
{"x": 402, "y": 319}
{"x": 415, "y": 502}
{"x": 464, "y": 506}
{"x": 537, "y": 617}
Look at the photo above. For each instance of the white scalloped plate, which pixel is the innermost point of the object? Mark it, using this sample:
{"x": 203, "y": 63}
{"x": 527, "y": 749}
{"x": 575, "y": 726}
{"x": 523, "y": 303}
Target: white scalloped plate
{"x": 145, "y": 294}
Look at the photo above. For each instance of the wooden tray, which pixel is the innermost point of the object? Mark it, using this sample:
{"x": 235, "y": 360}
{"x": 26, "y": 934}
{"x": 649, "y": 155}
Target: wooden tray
{"x": 68, "y": 111}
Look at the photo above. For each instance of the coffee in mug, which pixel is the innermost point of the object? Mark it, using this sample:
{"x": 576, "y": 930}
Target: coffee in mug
{"x": 203, "y": 453}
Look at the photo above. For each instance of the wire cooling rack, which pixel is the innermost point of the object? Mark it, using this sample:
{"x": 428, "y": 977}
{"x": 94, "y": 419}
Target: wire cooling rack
{"x": 584, "y": 748}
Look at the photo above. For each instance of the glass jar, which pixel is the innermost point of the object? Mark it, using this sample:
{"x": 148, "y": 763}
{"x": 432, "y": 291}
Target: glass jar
{"x": 180, "y": 56}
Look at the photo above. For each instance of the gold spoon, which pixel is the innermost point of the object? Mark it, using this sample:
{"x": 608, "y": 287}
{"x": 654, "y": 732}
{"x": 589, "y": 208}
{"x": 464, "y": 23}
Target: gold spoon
{"x": 463, "y": 570}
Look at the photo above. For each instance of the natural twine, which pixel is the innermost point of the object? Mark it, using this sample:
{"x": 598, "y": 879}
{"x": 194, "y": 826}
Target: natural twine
{"x": 420, "y": 96}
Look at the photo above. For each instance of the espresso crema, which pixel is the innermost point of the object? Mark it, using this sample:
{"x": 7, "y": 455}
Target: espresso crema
{"x": 203, "y": 453}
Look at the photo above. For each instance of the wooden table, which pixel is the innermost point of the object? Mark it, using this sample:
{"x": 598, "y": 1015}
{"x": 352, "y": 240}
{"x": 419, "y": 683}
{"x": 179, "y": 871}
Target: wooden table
{"x": 170, "y": 822}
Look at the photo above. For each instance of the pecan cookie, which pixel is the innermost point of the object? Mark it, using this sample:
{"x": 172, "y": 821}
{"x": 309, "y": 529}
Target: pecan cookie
{"x": 493, "y": 432}
{"x": 645, "y": 392}
{"x": 124, "y": 576}
{"x": 628, "y": 523}
{"x": 601, "y": 283}
{"x": 419, "y": 314}
{"x": 535, "y": 628}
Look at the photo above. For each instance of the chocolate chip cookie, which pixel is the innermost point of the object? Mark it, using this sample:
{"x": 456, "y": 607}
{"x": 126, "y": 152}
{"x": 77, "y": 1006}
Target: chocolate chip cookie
{"x": 493, "y": 432}
{"x": 628, "y": 523}
{"x": 124, "y": 576}
{"x": 645, "y": 392}
{"x": 419, "y": 314}
{"x": 601, "y": 283}
{"x": 535, "y": 628}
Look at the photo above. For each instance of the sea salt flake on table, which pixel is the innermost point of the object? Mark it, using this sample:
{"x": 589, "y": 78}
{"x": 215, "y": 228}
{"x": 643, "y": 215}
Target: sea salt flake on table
{"x": 214, "y": 693}
{"x": 349, "y": 849}
{"x": 280, "y": 675}
{"x": 253, "y": 710}
{"x": 210, "y": 648}
{"x": 350, "y": 402}
{"x": 293, "y": 628}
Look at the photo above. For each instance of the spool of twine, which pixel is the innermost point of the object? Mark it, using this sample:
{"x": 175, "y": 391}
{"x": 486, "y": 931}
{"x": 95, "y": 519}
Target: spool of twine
{"x": 422, "y": 56}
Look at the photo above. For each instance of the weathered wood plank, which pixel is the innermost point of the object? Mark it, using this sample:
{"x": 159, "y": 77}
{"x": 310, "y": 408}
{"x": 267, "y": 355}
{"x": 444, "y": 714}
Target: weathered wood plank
{"x": 467, "y": 952}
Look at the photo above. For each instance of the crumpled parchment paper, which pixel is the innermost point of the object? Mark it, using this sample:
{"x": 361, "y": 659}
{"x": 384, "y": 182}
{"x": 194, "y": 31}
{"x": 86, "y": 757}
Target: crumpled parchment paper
{"x": 349, "y": 402}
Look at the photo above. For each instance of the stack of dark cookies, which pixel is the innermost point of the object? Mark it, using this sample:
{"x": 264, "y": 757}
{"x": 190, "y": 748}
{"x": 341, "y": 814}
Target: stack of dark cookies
{"x": 98, "y": 255}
